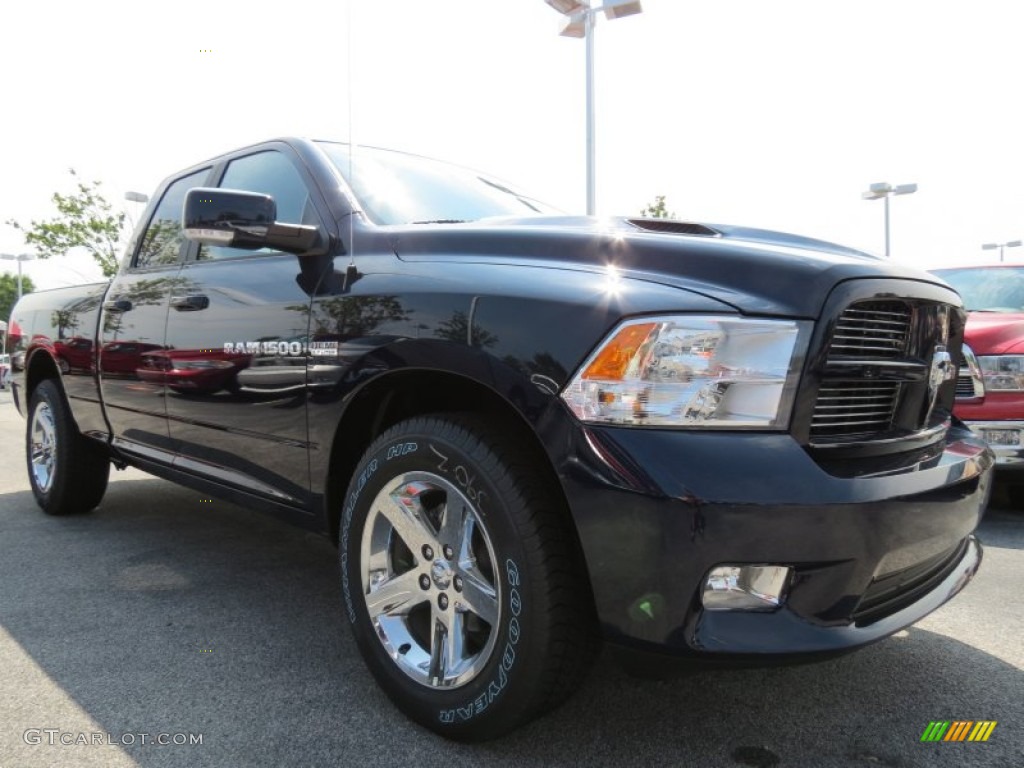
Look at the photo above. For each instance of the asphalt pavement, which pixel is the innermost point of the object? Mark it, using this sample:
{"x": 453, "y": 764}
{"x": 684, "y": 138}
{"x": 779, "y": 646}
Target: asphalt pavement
{"x": 218, "y": 631}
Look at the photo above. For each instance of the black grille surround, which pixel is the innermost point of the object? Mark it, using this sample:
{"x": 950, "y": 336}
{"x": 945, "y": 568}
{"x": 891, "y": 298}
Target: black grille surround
{"x": 865, "y": 389}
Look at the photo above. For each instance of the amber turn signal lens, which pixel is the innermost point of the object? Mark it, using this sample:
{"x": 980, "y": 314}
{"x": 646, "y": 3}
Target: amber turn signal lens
{"x": 614, "y": 358}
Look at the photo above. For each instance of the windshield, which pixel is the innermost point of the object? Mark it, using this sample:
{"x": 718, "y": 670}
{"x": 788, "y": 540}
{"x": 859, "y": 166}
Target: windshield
{"x": 987, "y": 289}
{"x": 397, "y": 188}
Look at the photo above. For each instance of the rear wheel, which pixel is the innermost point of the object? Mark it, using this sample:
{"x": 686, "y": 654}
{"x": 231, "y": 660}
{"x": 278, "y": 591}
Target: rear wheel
{"x": 68, "y": 473}
{"x": 461, "y": 578}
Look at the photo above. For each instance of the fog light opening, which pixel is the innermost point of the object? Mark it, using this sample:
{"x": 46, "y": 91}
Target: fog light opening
{"x": 746, "y": 587}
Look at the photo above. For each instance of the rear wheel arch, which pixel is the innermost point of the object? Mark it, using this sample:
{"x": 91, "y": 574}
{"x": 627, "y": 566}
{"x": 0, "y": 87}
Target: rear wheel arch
{"x": 39, "y": 367}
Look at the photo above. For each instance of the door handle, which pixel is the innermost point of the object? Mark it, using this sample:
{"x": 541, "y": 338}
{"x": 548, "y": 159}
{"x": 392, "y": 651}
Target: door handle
{"x": 117, "y": 305}
{"x": 191, "y": 303}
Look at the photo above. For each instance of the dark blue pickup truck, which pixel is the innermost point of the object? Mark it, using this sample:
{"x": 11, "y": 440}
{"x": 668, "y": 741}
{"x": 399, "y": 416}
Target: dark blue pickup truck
{"x": 527, "y": 432}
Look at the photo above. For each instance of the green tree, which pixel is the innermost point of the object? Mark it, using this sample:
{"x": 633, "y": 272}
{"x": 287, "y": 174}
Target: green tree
{"x": 456, "y": 328}
{"x": 84, "y": 220}
{"x": 658, "y": 209}
{"x": 9, "y": 292}
{"x": 350, "y": 317}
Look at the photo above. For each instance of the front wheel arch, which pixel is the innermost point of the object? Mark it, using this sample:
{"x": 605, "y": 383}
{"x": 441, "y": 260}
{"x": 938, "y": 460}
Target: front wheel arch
{"x": 399, "y": 395}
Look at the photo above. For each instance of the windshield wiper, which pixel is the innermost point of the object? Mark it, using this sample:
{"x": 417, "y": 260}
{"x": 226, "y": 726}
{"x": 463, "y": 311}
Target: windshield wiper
{"x": 442, "y": 221}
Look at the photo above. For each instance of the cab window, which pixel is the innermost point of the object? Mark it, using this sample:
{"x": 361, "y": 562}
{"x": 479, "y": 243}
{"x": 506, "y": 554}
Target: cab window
{"x": 163, "y": 242}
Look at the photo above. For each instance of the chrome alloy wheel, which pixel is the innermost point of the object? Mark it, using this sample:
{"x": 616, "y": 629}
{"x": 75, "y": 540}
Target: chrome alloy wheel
{"x": 44, "y": 447}
{"x": 428, "y": 576}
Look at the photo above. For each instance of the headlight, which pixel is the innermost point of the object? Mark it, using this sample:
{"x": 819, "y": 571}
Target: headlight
{"x": 1002, "y": 372}
{"x": 692, "y": 371}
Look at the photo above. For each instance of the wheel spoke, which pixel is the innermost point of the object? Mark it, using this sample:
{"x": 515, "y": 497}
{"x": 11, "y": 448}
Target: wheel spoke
{"x": 406, "y": 515}
{"x": 446, "y": 647}
{"x": 479, "y": 597}
{"x": 454, "y": 521}
{"x": 395, "y": 596}
{"x": 437, "y": 652}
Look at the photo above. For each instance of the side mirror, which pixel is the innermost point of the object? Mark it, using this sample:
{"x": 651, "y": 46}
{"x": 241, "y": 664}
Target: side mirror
{"x": 236, "y": 219}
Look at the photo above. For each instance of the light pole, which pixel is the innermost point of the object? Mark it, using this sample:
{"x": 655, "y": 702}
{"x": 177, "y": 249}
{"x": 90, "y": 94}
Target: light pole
{"x": 135, "y": 197}
{"x": 19, "y": 258}
{"x": 579, "y": 22}
{"x": 885, "y": 190}
{"x": 1000, "y": 246}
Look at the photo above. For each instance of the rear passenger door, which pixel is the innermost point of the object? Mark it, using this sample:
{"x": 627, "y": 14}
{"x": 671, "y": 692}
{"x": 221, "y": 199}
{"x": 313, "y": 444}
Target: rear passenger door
{"x": 133, "y": 321}
{"x": 239, "y": 414}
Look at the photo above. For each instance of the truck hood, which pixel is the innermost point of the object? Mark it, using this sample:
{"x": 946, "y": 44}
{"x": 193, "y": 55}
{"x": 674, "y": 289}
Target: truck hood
{"x": 995, "y": 333}
{"x": 756, "y": 271}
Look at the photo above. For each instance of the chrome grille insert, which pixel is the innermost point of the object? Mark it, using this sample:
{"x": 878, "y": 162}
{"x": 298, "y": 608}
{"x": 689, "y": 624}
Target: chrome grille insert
{"x": 964, "y": 383}
{"x": 871, "y": 330}
{"x": 851, "y": 407}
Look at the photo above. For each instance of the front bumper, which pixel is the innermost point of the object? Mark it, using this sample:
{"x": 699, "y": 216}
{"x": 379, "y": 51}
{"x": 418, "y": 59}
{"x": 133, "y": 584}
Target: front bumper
{"x": 873, "y": 550}
{"x": 1008, "y": 448}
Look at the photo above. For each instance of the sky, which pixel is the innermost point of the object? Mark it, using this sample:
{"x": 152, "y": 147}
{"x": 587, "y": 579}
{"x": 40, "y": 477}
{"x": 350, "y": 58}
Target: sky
{"x": 768, "y": 114}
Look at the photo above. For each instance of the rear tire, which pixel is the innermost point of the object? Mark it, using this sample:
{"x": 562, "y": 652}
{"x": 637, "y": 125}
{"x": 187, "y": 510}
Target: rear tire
{"x": 68, "y": 472}
{"x": 462, "y": 578}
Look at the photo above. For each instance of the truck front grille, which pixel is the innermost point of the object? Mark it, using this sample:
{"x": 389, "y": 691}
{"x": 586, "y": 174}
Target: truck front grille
{"x": 871, "y": 379}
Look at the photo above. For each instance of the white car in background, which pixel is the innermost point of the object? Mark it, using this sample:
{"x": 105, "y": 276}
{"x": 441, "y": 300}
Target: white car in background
{"x": 5, "y": 371}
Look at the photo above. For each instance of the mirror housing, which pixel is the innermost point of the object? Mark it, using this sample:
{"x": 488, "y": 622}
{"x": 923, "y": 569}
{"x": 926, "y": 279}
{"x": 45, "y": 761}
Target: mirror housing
{"x": 236, "y": 219}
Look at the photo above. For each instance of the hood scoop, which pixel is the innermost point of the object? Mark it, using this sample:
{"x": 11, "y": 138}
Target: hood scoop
{"x": 669, "y": 226}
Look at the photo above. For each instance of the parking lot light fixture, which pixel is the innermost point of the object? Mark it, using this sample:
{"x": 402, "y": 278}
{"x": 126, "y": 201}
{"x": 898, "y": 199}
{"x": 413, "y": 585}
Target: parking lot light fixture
{"x": 618, "y": 9}
{"x": 566, "y": 7}
{"x": 884, "y": 190}
{"x": 579, "y": 22}
{"x": 1001, "y": 246}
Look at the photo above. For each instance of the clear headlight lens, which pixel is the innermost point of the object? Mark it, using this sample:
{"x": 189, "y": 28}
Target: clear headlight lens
{"x": 1002, "y": 372}
{"x": 692, "y": 371}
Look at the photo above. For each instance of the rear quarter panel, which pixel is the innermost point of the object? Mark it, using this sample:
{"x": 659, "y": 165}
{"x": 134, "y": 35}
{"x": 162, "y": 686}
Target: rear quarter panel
{"x": 58, "y": 331}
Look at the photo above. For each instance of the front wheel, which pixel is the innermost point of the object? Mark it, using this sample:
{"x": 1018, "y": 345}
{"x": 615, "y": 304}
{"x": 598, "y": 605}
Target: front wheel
{"x": 68, "y": 473}
{"x": 461, "y": 578}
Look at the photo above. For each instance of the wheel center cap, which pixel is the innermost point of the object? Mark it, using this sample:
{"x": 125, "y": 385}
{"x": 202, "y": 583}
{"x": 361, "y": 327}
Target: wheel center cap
{"x": 441, "y": 573}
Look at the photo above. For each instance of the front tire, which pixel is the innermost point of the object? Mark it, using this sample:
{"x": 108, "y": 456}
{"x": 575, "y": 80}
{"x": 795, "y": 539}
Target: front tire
{"x": 462, "y": 579}
{"x": 68, "y": 473}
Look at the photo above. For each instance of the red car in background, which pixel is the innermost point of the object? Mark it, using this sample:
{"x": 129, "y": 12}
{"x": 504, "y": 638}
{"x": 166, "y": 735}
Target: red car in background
{"x": 192, "y": 370}
{"x": 74, "y": 355}
{"x": 990, "y": 387}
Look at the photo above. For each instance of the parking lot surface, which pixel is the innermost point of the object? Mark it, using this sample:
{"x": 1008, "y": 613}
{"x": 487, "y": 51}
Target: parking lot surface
{"x": 163, "y": 616}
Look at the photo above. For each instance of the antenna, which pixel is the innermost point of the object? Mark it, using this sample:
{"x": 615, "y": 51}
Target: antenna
{"x": 351, "y": 151}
